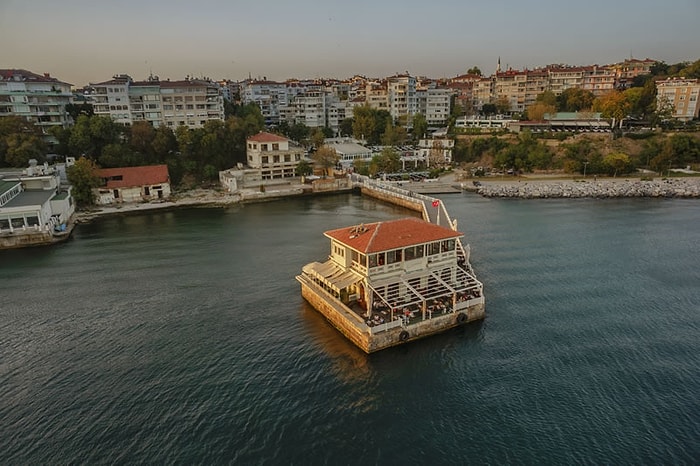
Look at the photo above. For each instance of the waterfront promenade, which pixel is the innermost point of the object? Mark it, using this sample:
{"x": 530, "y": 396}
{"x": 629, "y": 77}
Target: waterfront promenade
{"x": 521, "y": 187}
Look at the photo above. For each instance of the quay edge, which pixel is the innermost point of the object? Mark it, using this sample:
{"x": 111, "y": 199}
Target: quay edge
{"x": 359, "y": 333}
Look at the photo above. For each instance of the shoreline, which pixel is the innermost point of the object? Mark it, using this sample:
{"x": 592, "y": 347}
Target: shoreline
{"x": 520, "y": 188}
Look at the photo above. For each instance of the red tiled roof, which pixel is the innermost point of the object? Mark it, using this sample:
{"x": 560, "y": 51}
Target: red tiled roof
{"x": 28, "y": 76}
{"x": 262, "y": 136}
{"x": 394, "y": 234}
{"x": 135, "y": 176}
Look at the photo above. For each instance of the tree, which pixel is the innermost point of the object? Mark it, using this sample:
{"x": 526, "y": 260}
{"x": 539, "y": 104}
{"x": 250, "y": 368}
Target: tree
{"x": 474, "y": 70}
{"x": 304, "y": 168}
{"x": 692, "y": 71}
{"x": 548, "y": 98}
{"x": 141, "y": 137}
{"x": 75, "y": 110}
{"x": 616, "y": 162}
{"x": 420, "y": 126}
{"x": 83, "y": 176}
{"x": 575, "y": 99}
{"x": 345, "y": 127}
{"x": 20, "y": 141}
{"x": 327, "y": 158}
{"x": 393, "y": 135}
{"x": 612, "y": 105}
{"x": 502, "y": 105}
{"x": 489, "y": 109}
{"x": 387, "y": 161}
{"x": 118, "y": 155}
{"x": 538, "y": 110}
{"x": 22, "y": 147}
{"x": 164, "y": 143}
{"x": 364, "y": 123}
{"x": 317, "y": 138}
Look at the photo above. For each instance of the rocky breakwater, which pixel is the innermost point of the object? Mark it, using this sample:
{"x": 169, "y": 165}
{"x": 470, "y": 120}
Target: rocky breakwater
{"x": 680, "y": 188}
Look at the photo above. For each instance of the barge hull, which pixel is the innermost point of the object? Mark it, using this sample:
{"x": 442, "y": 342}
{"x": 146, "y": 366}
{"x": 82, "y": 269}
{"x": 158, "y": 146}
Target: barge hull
{"x": 359, "y": 333}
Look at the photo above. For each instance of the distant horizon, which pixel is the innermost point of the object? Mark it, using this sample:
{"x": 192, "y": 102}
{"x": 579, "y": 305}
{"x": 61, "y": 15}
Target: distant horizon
{"x": 80, "y": 41}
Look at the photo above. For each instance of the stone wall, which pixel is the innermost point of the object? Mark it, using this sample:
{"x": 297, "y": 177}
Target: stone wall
{"x": 679, "y": 187}
{"x": 408, "y": 203}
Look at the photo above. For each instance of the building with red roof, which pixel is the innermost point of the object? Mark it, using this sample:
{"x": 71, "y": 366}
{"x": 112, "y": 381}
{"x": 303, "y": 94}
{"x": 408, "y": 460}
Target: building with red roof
{"x": 389, "y": 282}
{"x": 133, "y": 184}
{"x": 275, "y": 156}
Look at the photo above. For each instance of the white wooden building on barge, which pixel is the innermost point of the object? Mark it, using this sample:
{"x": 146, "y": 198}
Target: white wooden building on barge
{"x": 392, "y": 282}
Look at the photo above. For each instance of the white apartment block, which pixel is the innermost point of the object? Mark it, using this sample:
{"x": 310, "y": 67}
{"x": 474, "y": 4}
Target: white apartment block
{"x": 273, "y": 155}
{"x": 401, "y": 97}
{"x": 599, "y": 80}
{"x": 188, "y": 103}
{"x": 111, "y": 99}
{"x": 434, "y": 104}
{"x": 376, "y": 95}
{"x": 483, "y": 92}
{"x": 39, "y": 99}
{"x": 682, "y": 94}
{"x": 511, "y": 86}
{"x": 191, "y": 103}
{"x": 562, "y": 78}
{"x": 268, "y": 95}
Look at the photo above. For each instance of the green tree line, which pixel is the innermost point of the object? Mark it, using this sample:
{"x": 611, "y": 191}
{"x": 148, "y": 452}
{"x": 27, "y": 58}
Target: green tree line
{"x": 193, "y": 155}
{"x": 659, "y": 152}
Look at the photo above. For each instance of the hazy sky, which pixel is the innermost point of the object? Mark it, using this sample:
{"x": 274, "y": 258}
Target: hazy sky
{"x": 80, "y": 41}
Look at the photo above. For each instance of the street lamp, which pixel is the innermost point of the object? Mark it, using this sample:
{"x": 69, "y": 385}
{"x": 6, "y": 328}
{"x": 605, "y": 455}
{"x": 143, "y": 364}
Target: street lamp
{"x": 585, "y": 164}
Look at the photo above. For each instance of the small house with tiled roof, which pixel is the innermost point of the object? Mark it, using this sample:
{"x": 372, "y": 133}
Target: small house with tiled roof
{"x": 387, "y": 282}
{"x": 275, "y": 156}
{"x": 133, "y": 184}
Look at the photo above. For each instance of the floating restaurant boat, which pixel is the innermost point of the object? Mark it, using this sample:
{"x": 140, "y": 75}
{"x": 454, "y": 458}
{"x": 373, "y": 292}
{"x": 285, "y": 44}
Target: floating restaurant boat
{"x": 392, "y": 282}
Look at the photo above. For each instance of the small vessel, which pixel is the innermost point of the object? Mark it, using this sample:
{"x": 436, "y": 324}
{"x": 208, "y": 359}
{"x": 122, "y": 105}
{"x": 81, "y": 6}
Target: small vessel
{"x": 392, "y": 282}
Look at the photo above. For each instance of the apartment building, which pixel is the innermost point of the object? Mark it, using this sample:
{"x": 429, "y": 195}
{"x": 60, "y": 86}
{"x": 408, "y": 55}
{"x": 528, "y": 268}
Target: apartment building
{"x": 599, "y": 80}
{"x": 191, "y": 102}
{"x": 275, "y": 156}
{"x": 563, "y": 77}
{"x": 111, "y": 99}
{"x": 682, "y": 95}
{"x": 511, "y": 86}
{"x": 268, "y": 95}
{"x": 483, "y": 92}
{"x": 376, "y": 95}
{"x": 629, "y": 69}
{"x": 434, "y": 103}
{"x": 40, "y": 99}
{"x": 401, "y": 97}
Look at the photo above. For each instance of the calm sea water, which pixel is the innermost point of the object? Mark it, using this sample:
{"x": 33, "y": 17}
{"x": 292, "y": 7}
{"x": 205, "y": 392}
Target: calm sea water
{"x": 181, "y": 337}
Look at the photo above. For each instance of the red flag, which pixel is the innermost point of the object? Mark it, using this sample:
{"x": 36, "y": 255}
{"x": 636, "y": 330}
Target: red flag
{"x": 436, "y": 202}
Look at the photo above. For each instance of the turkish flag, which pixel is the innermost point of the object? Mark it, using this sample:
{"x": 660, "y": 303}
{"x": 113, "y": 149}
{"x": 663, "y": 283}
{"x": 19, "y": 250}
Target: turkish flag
{"x": 436, "y": 202}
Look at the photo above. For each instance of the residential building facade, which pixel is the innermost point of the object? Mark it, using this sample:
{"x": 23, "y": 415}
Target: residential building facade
{"x": 39, "y": 99}
{"x": 275, "y": 156}
{"x": 190, "y": 102}
{"x": 682, "y": 95}
{"x": 133, "y": 184}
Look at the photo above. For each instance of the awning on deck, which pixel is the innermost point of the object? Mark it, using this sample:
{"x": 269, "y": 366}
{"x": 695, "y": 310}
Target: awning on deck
{"x": 336, "y": 277}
